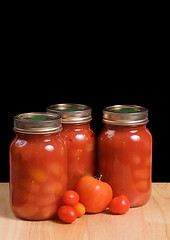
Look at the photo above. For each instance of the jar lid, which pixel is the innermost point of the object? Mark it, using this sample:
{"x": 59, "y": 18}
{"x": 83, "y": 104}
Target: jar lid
{"x": 125, "y": 115}
{"x": 37, "y": 123}
{"x": 71, "y": 112}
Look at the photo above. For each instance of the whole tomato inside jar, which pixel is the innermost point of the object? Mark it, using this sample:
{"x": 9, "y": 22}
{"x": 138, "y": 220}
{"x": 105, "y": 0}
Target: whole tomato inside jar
{"x": 80, "y": 140}
{"x": 38, "y": 166}
{"x": 125, "y": 152}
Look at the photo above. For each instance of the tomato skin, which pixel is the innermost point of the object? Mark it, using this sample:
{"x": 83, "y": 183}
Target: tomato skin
{"x": 67, "y": 214}
{"x": 70, "y": 198}
{"x": 119, "y": 205}
{"x": 80, "y": 209}
{"x": 94, "y": 194}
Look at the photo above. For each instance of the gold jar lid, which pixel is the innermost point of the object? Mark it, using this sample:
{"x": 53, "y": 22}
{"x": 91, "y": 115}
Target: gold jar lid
{"x": 125, "y": 115}
{"x": 37, "y": 123}
{"x": 71, "y": 112}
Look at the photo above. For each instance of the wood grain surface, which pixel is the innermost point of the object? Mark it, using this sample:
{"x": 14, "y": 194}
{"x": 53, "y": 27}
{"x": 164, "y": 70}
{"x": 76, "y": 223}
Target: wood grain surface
{"x": 150, "y": 222}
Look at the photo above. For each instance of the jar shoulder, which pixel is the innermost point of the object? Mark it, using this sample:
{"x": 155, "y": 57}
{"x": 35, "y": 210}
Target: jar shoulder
{"x": 125, "y": 133}
{"x": 12, "y": 143}
{"x": 78, "y": 133}
{"x": 37, "y": 142}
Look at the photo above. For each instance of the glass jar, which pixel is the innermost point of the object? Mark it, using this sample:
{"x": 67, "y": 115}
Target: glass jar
{"x": 125, "y": 152}
{"x": 38, "y": 166}
{"x": 80, "y": 140}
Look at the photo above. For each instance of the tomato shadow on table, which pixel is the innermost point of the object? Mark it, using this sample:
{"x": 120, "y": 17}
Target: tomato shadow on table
{"x": 58, "y": 221}
{"x": 108, "y": 212}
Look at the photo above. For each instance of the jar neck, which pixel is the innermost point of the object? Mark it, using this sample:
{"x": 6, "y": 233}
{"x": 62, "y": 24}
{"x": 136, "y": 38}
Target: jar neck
{"x": 35, "y": 136}
{"x": 76, "y": 125}
{"x": 125, "y": 127}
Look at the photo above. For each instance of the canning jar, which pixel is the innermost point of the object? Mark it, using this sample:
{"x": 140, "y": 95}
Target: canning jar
{"x": 80, "y": 140}
{"x": 38, "y": 166}
{"x": 125, "y": 152}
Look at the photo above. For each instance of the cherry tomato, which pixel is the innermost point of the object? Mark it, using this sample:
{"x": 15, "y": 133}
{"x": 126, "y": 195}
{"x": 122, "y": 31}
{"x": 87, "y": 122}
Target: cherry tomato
{"x": 67, "y": 214}
{"x": 94, "y": 194}
{"x": 119, "y": 205}
{"x": 80, "y": 209}
{"x": 70, "y": 198}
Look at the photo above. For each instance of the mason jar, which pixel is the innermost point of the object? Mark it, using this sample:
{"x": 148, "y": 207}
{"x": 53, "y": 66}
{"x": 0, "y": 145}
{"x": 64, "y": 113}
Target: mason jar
{"x": 125, "y": 152}
{"x": 80, "y": 140}
{"x": 38, "y": 166}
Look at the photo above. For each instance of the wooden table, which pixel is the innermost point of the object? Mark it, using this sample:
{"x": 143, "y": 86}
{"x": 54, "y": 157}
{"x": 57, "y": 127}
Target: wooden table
{"x": 150, "y": 222}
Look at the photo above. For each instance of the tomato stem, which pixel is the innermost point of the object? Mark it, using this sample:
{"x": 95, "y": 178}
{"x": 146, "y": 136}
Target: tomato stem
{"x": 100, "y": 178}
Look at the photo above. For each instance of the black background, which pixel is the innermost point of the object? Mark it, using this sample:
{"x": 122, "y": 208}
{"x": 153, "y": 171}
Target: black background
{"x": 99, "y": 63}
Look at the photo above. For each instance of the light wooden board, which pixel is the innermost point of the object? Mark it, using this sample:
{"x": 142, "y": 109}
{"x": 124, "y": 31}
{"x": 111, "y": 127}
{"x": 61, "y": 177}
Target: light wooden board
{"x": 150, "y": 222}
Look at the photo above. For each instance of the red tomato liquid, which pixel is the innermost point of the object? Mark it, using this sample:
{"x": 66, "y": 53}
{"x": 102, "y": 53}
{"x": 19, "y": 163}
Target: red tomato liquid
{"x": 80, "y": 141}
{"x": 125, "y": 161}
{"x": 38, "y": 178}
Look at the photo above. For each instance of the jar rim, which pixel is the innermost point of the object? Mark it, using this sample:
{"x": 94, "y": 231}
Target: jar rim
{"x": 37, "y": 123}
{"x": 125, "y": 115}
{"x": 72, "y": 112}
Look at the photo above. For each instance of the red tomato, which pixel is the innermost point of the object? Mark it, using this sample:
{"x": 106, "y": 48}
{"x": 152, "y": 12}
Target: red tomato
{"x": 67, "y": 214}
{"x": 70, "y": 198}
{"x": 94, "y": 194}
{"x": 119, "y": 205}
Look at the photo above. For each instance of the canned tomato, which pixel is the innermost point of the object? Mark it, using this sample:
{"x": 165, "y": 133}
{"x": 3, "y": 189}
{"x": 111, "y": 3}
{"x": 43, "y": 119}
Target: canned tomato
{"x": 38, "y": 166}
{"x": 125, "y": 152}
{"x": 80, "y": 140}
